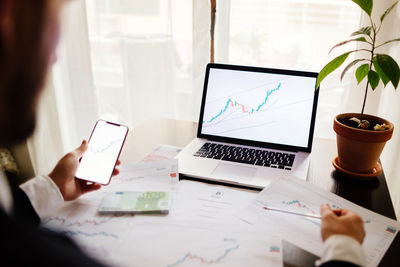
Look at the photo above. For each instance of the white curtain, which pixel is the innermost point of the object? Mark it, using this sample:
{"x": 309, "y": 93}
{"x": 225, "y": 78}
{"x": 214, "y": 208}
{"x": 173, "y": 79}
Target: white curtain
{"x": 45, "y": 146}
{"x": 68, "y": 108}
{"x": 388, "y": 105}
{"x": 124, "y": 61}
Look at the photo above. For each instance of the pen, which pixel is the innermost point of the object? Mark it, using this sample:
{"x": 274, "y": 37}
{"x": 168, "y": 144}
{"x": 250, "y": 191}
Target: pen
{"x": 294, "y": 213}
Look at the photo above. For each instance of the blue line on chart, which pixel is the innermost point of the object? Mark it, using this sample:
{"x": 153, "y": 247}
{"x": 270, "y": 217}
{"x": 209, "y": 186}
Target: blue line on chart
{"x": 244, "y": 109}
{"x": 102, "y": 233}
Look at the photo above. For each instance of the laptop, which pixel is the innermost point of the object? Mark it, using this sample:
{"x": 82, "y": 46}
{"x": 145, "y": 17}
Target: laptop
{"x": 256, "y": 125}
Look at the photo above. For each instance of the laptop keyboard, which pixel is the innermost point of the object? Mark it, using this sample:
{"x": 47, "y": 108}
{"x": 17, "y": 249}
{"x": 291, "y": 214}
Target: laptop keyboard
{"x": 251, "y": 156}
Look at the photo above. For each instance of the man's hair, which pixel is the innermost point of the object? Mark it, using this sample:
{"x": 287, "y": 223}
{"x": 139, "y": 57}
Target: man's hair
{"x": 24, "y": 61}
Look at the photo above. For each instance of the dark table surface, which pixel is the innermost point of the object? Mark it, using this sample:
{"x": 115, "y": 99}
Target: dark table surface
{"x": 372, "y": 194}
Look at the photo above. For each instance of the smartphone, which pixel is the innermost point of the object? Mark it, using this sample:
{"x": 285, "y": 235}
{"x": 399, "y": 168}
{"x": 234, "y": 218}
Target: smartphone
{"x": 105, "y": 145}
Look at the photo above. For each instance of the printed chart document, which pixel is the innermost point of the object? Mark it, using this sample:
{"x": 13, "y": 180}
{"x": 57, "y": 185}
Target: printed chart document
{"x": 146, "y": 175}
{"x": 202, "y": 204}
{"x": 200, "y": 229}
{"x": 162, "y": 152}
{"x": 297, "y": 196}
{"x": 169, "y": 246}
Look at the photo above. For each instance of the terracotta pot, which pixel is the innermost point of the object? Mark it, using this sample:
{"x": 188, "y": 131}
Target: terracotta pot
{"x": 359, "y": 150}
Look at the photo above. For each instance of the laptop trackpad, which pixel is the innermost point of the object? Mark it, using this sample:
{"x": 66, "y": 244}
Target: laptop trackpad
{"x": 234, "y": 172}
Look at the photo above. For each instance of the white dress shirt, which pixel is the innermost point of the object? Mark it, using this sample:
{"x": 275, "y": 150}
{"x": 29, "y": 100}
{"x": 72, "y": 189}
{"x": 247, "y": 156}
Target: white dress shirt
{"x": 43, "y": 193}
{"x": 342, "y": 248}
{"x": 6, "y": 200}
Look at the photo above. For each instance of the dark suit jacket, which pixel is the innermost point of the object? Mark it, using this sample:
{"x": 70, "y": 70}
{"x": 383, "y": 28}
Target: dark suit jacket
{"x": 24, "y": 243}
{"x": 338, "y": 264}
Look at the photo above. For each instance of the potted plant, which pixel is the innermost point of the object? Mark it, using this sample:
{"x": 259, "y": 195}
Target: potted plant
{"x": 361, "y": 137}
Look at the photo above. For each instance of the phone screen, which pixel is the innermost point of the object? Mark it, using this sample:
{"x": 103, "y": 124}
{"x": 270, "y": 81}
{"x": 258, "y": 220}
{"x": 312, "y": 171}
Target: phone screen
{"x": 105, "y": 144}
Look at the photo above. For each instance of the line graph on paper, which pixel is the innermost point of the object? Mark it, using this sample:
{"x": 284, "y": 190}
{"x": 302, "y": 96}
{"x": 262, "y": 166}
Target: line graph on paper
{"x": 190, "y": 256}
{"x": 65, "y": 222}
{"x": 304, "y": 207}
{"x": 199, "y": 246}
{"x": 78, "y": 223}
{"x": 259, "y": 106}
{"x": 90, "y": 234}
{"x": 297, "y": 206}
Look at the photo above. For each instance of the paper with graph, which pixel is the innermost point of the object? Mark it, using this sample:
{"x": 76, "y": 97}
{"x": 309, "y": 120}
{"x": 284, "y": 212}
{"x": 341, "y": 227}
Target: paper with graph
{"x": 162, "y": 152}
{"x": 200, "y": 229}
{"x": 173, "y": 245}
{"x": 298, "y": 196}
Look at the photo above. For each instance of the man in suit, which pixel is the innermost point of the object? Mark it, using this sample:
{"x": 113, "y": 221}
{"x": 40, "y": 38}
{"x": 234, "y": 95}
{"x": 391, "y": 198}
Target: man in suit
{"x": 29, "y": 33}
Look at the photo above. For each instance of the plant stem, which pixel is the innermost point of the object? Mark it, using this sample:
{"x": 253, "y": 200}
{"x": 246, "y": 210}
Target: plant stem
{"x": 365, "y": 99}
{"x": 370, "y": 67}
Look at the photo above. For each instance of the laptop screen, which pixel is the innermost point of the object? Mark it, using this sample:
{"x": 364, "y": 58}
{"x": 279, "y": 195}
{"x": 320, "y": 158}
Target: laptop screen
{"x": 259, "y": 106}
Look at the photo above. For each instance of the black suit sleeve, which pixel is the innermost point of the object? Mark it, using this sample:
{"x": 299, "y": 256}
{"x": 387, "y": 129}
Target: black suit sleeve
{"x": 24, "y": 243}
{"x": 27, "y": 245}
{"x": 23, "y": 210}
{"x": 338, "y": 264}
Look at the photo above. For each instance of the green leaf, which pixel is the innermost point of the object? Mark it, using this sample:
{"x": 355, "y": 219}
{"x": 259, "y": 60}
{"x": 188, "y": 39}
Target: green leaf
{"x": 394, "y": 40}
{"x": 361, "y": 72}
{"x": 331, "y": 66}
{"x": 388, "y": 11}
{"x": 359, "y": 39}
{"x": 385, "y": 79}
{"x": 390, "y": 67}
{"x": 349, "y": 66}
{"x": 373, "y": 79}
{"x": 365, "y": 5}
{"x": 363, "y": 30}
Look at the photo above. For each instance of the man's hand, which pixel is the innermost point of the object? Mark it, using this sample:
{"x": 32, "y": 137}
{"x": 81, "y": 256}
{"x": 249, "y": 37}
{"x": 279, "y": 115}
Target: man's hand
{"x": 63, "y": 175}
{"x": 341, "y": 222}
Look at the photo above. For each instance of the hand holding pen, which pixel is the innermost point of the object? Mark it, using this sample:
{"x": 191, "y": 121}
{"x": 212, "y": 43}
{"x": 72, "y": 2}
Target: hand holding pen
{"x": 333, "y": 222}
{"x": 341, "y": 222}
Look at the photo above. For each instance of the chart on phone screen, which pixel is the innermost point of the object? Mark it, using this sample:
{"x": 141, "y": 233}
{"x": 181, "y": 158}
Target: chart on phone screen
{"x": 105, "y": 143}
{"x": 247, "y": 105}
{"x": 105, "y": 147}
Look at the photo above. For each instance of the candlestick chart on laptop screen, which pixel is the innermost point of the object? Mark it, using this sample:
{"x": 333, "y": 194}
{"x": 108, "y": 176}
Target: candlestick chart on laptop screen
{"x": 258, "y": 106}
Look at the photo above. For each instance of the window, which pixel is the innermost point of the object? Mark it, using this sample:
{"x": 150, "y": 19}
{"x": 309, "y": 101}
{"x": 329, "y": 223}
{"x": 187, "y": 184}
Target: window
{"x": 141, "y": 53}
{"x": 290, "y": 34}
